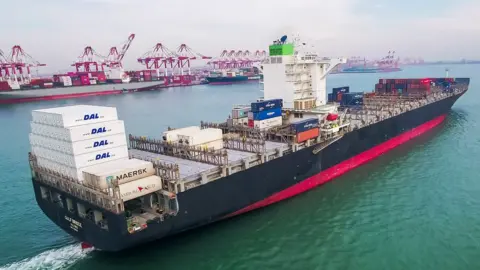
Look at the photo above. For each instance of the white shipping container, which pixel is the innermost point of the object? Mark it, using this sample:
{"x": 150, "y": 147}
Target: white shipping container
{"x": 240, "y": 121}
{"x": 215, "y": 145}
{"x": 268, "y": 123}
{"x": 79, "y": 147}
{"x": 78, "y": 133}
{"x": 201, "y": 137}
{"x": 76, "y": 115}
{"x": 60, "y": 168}
{"x": 84, "y": 160}
{"x": 123, "y": 171}
{"x": 140, "y": 187}
{"x": 250, "y": 116}
{"x": 240, "y": 112}
{"x": 172, "y": 135}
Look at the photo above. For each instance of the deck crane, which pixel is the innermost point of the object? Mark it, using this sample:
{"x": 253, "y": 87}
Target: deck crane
{"x": 184, "y": 55}
{"x": 159, "y": 57}
{"x": 114, "y": 58}
{"x": 88, "y": 59}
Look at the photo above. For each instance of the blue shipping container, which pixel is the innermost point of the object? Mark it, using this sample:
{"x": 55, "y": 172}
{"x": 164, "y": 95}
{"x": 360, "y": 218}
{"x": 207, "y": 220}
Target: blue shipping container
{"x": 352, "y": 99}
{"x": 336, "y": 90}
{"x": 330, "y": 97}
{"x": 267, "y": 114}
{"x": 305, "y": 125}
{"x": 266, "y": 105}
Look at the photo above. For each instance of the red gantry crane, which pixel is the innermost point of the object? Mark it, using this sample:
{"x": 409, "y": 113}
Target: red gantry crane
{"x": 159, "y": 57}
{"x": 184, "y": 55}
{"x": 19, "y": 64}
{"x": 114, "y": 58}
{"x": 88, "y": 60}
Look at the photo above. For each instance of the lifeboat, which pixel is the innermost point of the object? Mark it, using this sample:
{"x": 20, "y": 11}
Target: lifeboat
{"x": 332, "y": 117}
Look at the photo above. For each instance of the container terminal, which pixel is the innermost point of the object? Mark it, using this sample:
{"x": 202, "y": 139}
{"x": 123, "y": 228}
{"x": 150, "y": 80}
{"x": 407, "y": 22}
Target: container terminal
{"x": 115, "y": 191}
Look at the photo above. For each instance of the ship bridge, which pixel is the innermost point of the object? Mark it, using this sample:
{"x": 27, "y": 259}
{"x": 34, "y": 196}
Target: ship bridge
{"x": 299, "y": 78}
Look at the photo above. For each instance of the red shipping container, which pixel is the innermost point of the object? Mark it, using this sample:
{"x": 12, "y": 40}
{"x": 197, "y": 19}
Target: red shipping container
{"x": 4, "y": 86}
{"x": 250, "y": 123}
{"x": 307, "y": 135}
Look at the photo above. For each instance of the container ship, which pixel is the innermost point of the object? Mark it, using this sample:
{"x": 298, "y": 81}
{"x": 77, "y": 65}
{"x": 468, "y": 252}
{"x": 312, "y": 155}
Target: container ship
{"x": 114, "y": 192}
{"x": 68, "y": 86}
{"x": 243, "y": 75}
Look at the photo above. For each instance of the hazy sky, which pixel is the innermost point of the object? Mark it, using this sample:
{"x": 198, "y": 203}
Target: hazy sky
{"x": 55, "y": 31}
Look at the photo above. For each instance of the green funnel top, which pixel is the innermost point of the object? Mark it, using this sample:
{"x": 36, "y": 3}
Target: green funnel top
{"x": 281, "y": 49}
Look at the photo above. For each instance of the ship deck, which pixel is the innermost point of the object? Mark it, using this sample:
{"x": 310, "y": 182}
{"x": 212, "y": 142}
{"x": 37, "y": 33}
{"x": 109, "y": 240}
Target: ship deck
{"x": 75, "y": 89}
{"x": 189, "y": 168}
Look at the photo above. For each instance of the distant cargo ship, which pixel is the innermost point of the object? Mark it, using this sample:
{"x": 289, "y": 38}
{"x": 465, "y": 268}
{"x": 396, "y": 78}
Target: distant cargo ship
{"x": 244, "y": 75}
{"x": 369, "y": 70}
{"x": 357, "y": 65}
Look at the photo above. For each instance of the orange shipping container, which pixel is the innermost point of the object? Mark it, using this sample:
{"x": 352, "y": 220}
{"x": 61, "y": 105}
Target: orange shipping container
{"x": 307, "y": 135}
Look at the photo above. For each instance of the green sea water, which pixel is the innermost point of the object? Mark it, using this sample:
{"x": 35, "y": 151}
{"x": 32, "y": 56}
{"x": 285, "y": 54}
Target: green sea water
{"x": 416, "y": 207}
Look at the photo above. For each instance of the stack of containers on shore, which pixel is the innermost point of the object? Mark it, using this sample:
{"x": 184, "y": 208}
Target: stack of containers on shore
{"x": 208, "y": 138}
{"x": 239, "y": 116}
{"x": 337, "y": 92}
{"x": 4, "y": 86}
{"x": 265, "y": 114}
{"x": 70, "y": 139}
{"x": 306, "y": 129}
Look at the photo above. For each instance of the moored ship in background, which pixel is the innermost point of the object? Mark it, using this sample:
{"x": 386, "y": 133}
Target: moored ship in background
{"x": 95, "y": 74}
{"x": 358, "y": 65}
{"x": 240, "y": 75}
{"x": 115, "y": 192}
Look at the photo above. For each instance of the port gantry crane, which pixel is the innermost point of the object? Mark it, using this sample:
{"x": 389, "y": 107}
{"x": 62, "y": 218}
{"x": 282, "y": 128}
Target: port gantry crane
{"x": 159, "y": 57}
{"x": 184, "y": 55}
{"x": 162, "y": 57}
{"x": 88, "y": 60}
{"x": 114, "y": 58}
{"x": 237, "y": 59}
{"x": 17, "y": 66}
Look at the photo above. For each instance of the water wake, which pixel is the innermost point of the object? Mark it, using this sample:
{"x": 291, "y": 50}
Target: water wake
{"x": 53, "y": 259}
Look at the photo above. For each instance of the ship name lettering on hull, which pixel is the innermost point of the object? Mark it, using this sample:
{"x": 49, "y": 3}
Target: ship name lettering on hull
{"x": 74, "y": 225}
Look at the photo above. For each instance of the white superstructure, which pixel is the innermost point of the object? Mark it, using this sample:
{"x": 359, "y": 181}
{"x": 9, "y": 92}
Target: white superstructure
{"x": 297, "y": 78}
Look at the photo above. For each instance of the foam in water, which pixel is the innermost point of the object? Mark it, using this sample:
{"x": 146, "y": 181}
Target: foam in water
{"x": 53, "y": 259}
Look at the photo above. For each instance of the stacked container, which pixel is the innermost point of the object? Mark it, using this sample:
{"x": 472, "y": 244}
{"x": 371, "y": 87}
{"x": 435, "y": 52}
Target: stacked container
{"x": 337, "y": 93}
{"x": 206, "y": 138}
{"x": 352, "y": 99}
{"x": 70, "y": 139}
{"x": 265, "y": 114}
{"x": 306, "y": 129}
{"x": 240, "y": 116}
{"x": 122, "y": 171}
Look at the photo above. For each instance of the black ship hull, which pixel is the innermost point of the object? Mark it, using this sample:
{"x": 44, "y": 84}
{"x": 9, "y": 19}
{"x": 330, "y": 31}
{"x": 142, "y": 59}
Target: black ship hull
{"x": 256, "y": 187}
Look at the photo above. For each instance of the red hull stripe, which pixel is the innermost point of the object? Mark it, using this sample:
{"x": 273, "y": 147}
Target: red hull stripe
{"x": 61, "y": 96}
{"x": 343, "y": 167}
